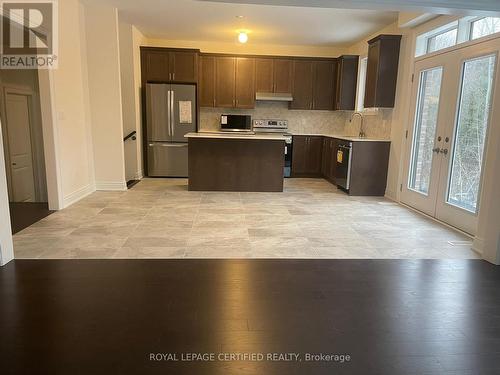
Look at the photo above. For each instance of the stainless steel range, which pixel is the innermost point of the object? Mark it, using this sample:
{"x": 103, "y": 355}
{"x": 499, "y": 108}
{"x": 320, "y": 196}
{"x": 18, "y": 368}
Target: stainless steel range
{"x": 277, "y": 127}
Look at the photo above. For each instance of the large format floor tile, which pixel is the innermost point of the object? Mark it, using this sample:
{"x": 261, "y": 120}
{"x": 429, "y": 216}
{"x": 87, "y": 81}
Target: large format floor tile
{"x": 160, "y": 218}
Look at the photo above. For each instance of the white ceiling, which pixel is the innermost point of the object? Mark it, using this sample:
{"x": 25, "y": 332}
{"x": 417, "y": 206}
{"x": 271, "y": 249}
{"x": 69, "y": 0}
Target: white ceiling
{"x": 266, "y": 24}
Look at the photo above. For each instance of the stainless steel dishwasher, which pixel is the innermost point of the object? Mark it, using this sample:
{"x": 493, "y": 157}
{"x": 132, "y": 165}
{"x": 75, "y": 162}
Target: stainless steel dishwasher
{"x": 343, "y": 170}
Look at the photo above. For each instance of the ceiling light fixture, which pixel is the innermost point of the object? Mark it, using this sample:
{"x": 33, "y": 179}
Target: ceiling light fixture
{"x": 243, "y": 37}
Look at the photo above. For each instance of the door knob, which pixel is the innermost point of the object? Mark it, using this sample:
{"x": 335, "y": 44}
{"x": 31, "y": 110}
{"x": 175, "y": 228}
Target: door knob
{"x": 444, "y": 151}
{"x": 14, "y": 164}
{"x": 436, "y": 150}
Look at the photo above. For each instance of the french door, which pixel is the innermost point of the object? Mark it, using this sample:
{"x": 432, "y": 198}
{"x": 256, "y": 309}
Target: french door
{"x": 452, "y": 96}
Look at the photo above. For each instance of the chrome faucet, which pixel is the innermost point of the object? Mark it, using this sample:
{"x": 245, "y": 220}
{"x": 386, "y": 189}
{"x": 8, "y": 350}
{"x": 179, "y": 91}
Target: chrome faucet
{"x": 361, "y": 131}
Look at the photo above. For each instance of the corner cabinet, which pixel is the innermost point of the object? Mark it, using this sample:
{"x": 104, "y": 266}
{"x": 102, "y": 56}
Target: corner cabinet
{"x": 382, "y": 71}
{"x": 169, "y": 65}
{"x": 346, "y": 83}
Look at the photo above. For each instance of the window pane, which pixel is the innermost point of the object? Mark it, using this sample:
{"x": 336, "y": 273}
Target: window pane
{"x": 443, "y": 40}
{"x": 470, "y": 133}
{"x": 485, "y": 26}
{"x": 425, "y": 130}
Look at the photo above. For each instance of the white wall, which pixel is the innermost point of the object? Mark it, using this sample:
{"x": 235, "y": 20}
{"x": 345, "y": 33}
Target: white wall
{"x": 138, "y": 40}
{"x": 104, "y": 88}
{"x": 130, "y": 78}
{"x": 67, "y": 104}
{"x": 6, "y": 247}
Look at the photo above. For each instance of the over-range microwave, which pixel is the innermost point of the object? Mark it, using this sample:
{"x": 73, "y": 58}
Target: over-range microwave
{"x": 236, "y": 123}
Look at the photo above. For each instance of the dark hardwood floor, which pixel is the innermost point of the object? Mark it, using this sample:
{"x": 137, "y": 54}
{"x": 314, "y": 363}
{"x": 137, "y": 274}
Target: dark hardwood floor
{"x": 389, "y": 316}
{"x": 24, "y": 214}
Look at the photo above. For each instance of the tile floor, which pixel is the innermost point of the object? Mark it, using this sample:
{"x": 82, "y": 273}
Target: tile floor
{"x": 159, "y": 218}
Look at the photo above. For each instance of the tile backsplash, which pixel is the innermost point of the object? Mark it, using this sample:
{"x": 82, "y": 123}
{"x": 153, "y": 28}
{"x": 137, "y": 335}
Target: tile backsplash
{"x": 303, "y": 122}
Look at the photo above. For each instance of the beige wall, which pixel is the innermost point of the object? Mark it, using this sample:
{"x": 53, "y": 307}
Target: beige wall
{"x": 104, "y": 87}
{"x": 249, "y": 48}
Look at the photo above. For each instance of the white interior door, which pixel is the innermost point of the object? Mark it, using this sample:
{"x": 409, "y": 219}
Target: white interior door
{"x": 20, "y": 153}
{"x": 448, "y": 138}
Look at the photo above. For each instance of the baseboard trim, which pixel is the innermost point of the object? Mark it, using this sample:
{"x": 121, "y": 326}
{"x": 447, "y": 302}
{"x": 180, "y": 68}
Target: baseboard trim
{"x": 77, "y": 195}
{"x": 478, "y": 245}
{"x": 139, "y": 175}
{"x": 110, "y": 186}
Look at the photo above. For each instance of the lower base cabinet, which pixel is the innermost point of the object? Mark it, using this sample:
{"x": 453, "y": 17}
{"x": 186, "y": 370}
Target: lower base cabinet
{"x": 316, "y": 156}
{"x": 306, "y": 156}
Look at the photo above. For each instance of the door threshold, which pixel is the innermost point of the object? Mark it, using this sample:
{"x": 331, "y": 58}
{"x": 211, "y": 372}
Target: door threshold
{"x": 438, "y": 221}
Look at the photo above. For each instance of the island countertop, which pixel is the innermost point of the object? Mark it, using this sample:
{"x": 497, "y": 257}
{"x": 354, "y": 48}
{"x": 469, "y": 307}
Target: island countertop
{"x": 253, "y": 136}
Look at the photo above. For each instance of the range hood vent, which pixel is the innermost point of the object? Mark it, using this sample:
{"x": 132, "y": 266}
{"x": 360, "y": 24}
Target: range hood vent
{"x": 273, "y": 97}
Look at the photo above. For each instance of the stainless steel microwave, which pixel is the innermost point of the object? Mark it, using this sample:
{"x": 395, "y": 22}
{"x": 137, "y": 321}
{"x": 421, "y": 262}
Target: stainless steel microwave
{"x": 236, "y": 123}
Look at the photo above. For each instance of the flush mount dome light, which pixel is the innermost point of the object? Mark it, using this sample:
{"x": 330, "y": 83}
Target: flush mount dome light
{"x": 243, "y": 37}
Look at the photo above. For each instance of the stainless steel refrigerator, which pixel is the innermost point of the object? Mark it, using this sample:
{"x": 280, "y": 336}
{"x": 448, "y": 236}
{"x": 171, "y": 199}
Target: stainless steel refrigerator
{"x": 170, "y": 113}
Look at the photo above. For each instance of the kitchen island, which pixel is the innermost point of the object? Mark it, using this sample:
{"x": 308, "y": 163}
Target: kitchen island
{"x": 236, "y": 162}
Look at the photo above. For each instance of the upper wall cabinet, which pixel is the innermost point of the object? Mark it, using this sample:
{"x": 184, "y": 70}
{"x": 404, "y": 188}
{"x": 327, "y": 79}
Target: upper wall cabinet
{"x": 302, "y": 84}
{"x": 225, "y": 75}
{"x": 234, "y": 82}
{"x": 169, "y": 65}
{"x": 245, "y": 83}
{"x": 324, "y": 84}
{"x": 347, "y": 79}
{"x": 382, "y": 71}
{"x": 207, "y": 81}
{"x": 273, "y": 75}
{"x": 313, "y": 84}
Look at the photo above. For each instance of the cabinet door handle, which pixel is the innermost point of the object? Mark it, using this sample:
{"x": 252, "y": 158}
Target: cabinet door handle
{"x": 173, "y": 76}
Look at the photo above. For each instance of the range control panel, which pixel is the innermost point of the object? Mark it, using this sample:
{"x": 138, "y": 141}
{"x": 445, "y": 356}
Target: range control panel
{"x": 280, "y": 125}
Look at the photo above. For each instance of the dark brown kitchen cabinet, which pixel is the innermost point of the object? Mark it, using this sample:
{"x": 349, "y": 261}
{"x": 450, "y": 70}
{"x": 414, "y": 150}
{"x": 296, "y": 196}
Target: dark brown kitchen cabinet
{"x": 369, "y": 168}
{"x": 169, "y": 65}
{"x": 225, "y": 79}
{"x": 273, "y": 75}
{"x": 184, "y": 66}
{"x": 155, "y": 65}
{"x": 245, "y": 83}
{"x": 207, "y": 81}
{"x": 382, "y": 71}
{"x": 234, "y": 82}
{"x": 306, "y": 156}
{"x": 282, "y": 77}
{"x": 264, "y": 75}
{"x": 346, "y": 82}
{"x": 302, "y": 83}
{"x": 328, "y": 159}
{"x": 324, "y": 85}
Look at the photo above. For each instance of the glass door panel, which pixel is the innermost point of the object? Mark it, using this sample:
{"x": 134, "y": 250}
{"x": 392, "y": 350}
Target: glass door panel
{"x": 425, "y": 130}
{"x": 470, "y": 132}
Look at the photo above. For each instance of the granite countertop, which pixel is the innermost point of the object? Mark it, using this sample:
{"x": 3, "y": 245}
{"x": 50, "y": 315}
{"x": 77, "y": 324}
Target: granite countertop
{"x": 223, "y": 135}
{"x": 345, "y": 137}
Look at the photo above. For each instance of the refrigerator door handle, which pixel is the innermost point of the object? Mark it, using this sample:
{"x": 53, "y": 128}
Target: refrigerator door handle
{"x": 172, "y": 127}
{"x": 168, "y": 112}
{"x": 168, "y": 144}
